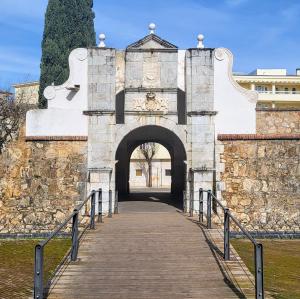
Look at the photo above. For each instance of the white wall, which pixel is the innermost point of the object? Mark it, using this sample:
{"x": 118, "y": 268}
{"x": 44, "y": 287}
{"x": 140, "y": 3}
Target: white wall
{"x": 159, "y": 178}
{"x": 64, "y": 116}
{"x": 234, "y": 104}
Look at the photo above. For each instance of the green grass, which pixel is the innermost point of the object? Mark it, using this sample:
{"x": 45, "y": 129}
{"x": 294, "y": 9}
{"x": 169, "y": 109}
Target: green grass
{"x": 17, "y": 264}
{"x": 281, "y": 265}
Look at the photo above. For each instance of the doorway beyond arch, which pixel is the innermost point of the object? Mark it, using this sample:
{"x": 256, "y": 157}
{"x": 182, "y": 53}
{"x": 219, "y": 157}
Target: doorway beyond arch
{"x": 151, "y": 133}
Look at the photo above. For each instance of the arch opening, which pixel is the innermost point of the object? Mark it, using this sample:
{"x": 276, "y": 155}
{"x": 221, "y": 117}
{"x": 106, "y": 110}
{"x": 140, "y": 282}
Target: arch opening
{"x": 151, "y": 134}
{"x": 150, "y": 168}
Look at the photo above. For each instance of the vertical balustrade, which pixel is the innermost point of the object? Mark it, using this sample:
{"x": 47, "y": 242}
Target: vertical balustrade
{"x": 110, "y": 204}
{"x": 184, "y": 202}
{"x": 201, "y": 205}
{"x": 93, "y": 207}
{"x": 116, "y": 210}
{"x": 38, "y": 272}
{"x": 226, "y": 235}
{"x": 209, "y": 209}
{"x": 100, "y": 213}
{"x": 259, "y": 271}
{"x": 74, "y": 250}
{"x": 191, "y": 203}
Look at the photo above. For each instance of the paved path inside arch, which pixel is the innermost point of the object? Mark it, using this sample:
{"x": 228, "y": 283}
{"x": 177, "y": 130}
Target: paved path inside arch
{"x": 149, "y": 250}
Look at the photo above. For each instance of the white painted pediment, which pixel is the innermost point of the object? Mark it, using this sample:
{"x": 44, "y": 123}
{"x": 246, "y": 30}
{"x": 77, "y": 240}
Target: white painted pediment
{"x": 66, "y": 103}
{"x": 235, "y": 105}
{"x": 152, "y": 41}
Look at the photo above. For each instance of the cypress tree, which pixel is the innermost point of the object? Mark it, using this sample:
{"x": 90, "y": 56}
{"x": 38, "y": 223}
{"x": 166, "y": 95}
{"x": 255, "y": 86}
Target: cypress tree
{"x": 69, "y": 24}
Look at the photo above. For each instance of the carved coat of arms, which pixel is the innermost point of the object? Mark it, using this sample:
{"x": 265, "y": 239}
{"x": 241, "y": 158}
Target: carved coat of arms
{"x": 151, "y": 103}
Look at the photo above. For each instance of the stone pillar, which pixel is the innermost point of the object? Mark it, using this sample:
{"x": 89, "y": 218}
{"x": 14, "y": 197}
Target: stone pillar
{"x": 200, "y": 104}
{"x": 102, "y": 178}
{"x": 101, "y": 112}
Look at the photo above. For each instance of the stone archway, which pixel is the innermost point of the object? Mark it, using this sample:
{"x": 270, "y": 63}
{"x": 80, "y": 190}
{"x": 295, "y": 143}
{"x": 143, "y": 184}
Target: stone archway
{"x": 151, "y": 133}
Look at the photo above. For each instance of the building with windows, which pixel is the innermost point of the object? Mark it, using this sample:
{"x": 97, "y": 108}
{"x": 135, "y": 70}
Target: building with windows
{"x": 275, "y": 87}
{"x": 27, "y": 92}
{"x": 161, "y": 169}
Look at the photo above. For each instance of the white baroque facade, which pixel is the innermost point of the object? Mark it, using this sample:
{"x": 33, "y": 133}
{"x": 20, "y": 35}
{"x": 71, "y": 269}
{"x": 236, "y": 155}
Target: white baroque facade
{"x": 149, "y": 92}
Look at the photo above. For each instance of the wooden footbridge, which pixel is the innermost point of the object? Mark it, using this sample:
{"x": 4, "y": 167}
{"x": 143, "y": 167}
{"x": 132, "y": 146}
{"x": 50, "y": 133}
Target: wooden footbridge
{"x": 150, "y": 250}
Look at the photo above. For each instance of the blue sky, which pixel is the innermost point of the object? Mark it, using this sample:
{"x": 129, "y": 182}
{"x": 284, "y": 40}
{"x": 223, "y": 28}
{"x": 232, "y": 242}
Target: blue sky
{"x": 260, "y": 33}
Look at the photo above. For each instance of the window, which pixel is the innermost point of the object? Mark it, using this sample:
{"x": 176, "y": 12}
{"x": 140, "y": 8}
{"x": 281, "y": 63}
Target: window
{"x": 294, "y": 90}
{"x": 138, "y": 172}
{"x": 167, "y": 172}
{"x": 261, "y": 89}
{"x": 286, "y": 90}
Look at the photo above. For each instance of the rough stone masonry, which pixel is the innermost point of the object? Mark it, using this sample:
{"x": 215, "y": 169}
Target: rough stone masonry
{"x": 115, "y": 100}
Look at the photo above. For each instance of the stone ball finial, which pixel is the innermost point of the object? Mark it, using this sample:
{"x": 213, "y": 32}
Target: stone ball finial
{"x": 152, "y": 28}
{"x": 101, "y": 40}
{"x": 200, "y": 39}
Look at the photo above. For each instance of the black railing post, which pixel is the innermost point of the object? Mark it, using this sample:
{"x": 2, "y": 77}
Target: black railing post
{"x": 100, "y": 206}
{"x": 191, "y": 203}
{"x": 110, "y": 204}
{"x": 93, "y": 203}
{"x": 116, "y": 210}
{"x": 184, "y": 202}
{"x": 226, "y": 235}
{"x": 259, "y": 271}
{"x": 38, "y": 272}
{"x": 209, "y": 209}
{"x": 200, "y": 205}
{"x": 74, "y": 251}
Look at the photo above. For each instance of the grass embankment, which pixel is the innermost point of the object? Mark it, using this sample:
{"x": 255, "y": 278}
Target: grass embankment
{"x": 17, "y": 264}
{"x": 281, "y": 265}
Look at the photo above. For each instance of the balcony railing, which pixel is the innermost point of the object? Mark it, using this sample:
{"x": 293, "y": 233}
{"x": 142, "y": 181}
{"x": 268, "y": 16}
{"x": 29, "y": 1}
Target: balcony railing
{"x": 278, "y": 92}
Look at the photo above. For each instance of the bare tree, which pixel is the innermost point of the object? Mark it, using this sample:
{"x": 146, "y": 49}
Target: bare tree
{"x": 12, "y": 115}
{"x": 148, "y": 151}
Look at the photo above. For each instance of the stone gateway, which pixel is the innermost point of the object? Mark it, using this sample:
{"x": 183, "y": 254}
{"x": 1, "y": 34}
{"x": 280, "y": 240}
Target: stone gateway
{"x": 151, "y": 91}
{"x": 186, "y": 100}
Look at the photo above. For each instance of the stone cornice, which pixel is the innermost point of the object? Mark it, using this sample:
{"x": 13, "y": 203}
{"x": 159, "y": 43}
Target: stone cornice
{"x": 245, "y": 137}
{"x": 146, "y": 89}
{"x": 202, "y": 169}
{"x": 153, "y": 50}
{"x": 100, "y": 169}
{"x": 99, "y": 112}
{"x": 278, "y": 109}
{"x": 56, "y": 138}
{"x": 146, "y": 112}
{"x": 201, "y": 113}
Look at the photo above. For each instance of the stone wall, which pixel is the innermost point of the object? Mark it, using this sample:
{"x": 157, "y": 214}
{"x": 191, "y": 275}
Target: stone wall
{"x": 40, "y": 183}
{"x": 272, "y": 121}
{"x": 261, "y": 182}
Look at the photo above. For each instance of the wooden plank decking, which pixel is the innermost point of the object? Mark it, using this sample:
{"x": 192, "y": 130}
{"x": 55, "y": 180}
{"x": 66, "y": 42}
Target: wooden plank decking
{"x": 149, "y": 250}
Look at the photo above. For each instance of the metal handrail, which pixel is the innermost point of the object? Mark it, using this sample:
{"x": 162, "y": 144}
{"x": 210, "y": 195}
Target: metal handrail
{"x": 258, "y": 247}
{"x": 39, "y": 289}
{"x": 62, "y": 225}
